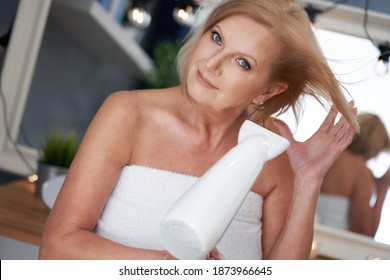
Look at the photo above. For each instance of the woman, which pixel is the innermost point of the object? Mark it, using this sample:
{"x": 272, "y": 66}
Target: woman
{"x": 351, "y": 197}
{"x": 249, "y": 60}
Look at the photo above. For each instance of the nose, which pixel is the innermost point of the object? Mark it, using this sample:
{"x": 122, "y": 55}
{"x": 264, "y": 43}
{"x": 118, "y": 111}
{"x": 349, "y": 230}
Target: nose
{"x": 214, "y": 63}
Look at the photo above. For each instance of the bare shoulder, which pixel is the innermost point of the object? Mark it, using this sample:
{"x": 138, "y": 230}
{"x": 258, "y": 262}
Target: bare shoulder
{"x": 351, "y": 159}
{"x": 121, "y": 101}
{"x": 128, "y": 106}
{"x": 363, "y": 178}
{"x": 277, "y": 176}
{"x": 139, "y": 101}
{"x": 351, "y": 164}
{"x": 130, "y": 115}
{"x": 346, "y": 175}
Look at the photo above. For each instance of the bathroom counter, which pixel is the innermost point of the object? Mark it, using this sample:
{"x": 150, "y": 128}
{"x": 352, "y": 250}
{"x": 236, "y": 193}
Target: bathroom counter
{"x": 22, "y": 215}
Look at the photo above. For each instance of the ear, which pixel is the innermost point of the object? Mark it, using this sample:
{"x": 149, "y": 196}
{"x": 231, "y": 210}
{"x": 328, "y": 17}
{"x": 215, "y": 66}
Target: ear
{"x": 275, "y": 89}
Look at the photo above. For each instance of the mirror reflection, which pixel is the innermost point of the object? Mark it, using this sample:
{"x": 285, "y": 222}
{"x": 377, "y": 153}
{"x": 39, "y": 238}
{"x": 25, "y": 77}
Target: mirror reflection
{"x": 352, "y": 196}
{"x": 355, "y": 67}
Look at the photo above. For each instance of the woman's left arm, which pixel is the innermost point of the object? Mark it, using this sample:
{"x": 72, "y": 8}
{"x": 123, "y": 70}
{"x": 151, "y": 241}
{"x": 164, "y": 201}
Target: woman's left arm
{"x": 310, "y": 161}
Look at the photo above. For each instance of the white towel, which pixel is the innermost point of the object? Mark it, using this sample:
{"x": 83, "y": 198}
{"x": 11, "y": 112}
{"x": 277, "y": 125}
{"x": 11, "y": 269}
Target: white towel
{"x": 143, "y": 196}
{"x": 332, "y": 210}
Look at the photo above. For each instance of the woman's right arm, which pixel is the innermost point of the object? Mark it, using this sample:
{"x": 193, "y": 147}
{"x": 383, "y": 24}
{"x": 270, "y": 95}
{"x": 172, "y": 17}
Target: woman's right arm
{"x": 105, "y": 149}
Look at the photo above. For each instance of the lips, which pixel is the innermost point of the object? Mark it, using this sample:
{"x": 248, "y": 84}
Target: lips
{"x": 204, "y": 81}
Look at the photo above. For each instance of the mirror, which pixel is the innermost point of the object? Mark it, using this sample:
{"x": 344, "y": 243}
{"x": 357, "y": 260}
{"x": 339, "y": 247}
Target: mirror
{"x": 355, "y": 67}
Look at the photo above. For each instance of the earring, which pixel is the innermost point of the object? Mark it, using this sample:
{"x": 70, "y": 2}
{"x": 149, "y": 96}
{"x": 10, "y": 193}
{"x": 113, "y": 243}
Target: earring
{"x": 260, "y": 106}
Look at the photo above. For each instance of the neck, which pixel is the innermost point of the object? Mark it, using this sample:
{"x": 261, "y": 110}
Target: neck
{"x": 207, "y": 125}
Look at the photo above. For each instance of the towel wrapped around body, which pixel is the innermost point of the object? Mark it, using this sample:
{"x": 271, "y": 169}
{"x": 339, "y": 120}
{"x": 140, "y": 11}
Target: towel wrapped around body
{"x": 332, "y": 210}
{"x": 143, "y": 196}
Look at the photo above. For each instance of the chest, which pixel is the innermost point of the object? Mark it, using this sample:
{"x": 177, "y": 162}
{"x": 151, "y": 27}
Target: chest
{"x": 179, "y": 153}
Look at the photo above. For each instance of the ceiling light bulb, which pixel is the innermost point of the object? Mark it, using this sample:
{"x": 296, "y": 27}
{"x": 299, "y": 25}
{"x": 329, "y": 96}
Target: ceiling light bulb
{"x": 139, "y": 17}
{"x": 382, "y": 67}
{"x": 185, "y": 16}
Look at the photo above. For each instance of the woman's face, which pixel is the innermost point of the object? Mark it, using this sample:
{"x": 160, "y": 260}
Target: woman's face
{"x": 230, "y": 66}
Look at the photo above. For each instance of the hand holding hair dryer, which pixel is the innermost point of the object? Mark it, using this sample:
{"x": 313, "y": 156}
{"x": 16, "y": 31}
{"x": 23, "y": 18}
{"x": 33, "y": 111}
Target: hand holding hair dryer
{"x": 198, "y": 219}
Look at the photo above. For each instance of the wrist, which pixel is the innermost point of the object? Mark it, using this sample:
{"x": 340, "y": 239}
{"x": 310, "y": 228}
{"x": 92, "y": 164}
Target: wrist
{"x": 304, "y": 184}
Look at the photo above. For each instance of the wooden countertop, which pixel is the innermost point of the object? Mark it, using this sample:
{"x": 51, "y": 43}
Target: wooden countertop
{"x": 22, "y": 215}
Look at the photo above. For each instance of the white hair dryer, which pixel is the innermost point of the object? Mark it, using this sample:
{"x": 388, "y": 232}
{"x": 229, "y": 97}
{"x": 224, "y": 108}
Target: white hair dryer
{"x": 198, "y": 219}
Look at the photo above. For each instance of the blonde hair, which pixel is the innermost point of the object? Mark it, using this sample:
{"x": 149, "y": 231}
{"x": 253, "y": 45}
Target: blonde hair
{"x": 300, "y": 64}
{"x": 372, "y": 138}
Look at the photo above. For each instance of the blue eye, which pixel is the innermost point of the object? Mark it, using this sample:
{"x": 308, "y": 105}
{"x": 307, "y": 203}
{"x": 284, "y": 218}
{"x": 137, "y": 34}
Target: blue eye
{"x": 216, "y": 38}
{"x": 244, "y": 64}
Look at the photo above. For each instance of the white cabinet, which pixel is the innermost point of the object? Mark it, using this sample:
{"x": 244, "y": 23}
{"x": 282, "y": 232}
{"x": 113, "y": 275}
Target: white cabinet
{"x": 98, "y": 31}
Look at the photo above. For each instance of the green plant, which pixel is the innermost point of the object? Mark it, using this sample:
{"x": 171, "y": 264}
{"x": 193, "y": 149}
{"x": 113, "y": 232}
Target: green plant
{"x": 59, "y": 149}
{"x": 164, "y": 56}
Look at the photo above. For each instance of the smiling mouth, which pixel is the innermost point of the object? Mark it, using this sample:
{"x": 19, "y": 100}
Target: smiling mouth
{"x": 204, "y": 81}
